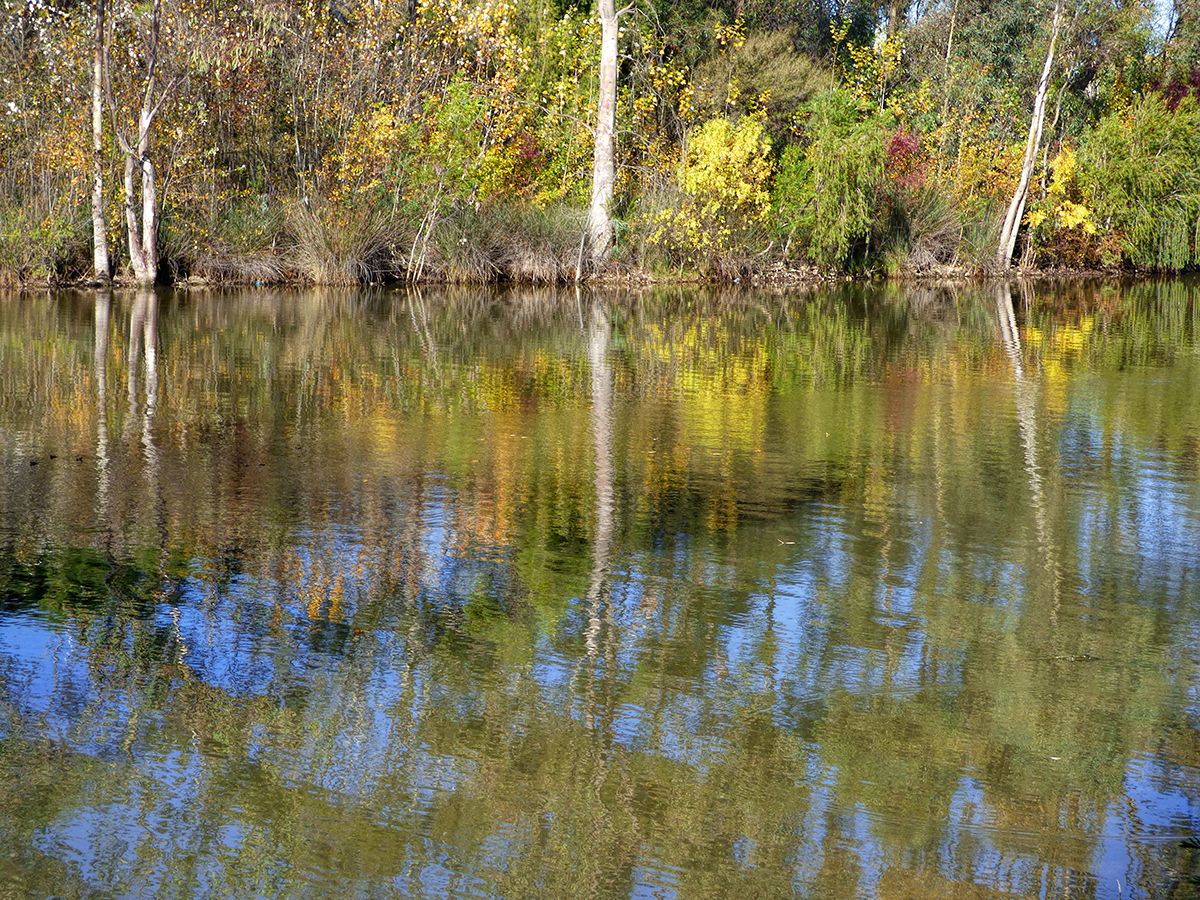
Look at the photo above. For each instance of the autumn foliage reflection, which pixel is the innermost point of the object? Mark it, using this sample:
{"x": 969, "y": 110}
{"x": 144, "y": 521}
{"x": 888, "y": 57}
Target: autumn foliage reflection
{"x": 870, "y": 592}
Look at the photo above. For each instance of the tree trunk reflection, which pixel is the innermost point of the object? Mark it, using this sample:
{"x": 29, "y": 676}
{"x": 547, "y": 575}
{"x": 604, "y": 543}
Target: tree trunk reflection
{"x": 103, "y": 309}
{"x": 1026, "y": 392}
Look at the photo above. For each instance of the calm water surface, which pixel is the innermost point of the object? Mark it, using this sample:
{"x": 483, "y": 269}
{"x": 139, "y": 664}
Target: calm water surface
{"x": 386, "y": 594}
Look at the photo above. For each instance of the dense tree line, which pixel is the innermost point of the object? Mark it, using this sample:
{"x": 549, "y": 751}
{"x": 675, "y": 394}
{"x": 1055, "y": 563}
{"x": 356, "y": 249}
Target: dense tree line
{"x": 348, "y": 140}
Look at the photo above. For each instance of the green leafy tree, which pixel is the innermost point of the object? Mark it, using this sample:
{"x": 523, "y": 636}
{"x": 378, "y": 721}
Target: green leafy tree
{"x": 826, "y": 193}
{"x": 1141, "y": 171}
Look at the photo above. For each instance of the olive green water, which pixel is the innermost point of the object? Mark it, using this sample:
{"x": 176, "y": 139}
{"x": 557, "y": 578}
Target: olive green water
{"x": 861, "y": 594}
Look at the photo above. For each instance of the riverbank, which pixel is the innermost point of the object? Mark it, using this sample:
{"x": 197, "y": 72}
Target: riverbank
{"x": 912, "y": 233}
{"x": 612, "y": 275}
{"x": 439, "y": 143}
{"x": 508, "y": 260}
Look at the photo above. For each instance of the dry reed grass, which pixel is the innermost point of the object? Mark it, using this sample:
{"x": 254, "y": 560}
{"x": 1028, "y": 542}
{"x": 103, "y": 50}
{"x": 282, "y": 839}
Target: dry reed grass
{"x": 219, "y": 265}
{"x": 343, "y": 246}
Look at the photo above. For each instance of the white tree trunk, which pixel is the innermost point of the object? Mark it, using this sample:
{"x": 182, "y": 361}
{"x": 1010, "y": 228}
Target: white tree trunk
{"x": 149, "y": 196}
{"x": 143, "y": 243}
{"x": 143, "y": 233}
{"x": 600, "y": 229}
{"x": 1016, "y": 207}
{"x": 133, "y": 228}
{"x": 140, "y": 232}
{"x": 100, "y": 261}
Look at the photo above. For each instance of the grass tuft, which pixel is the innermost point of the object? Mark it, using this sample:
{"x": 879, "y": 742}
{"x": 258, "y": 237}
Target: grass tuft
{"x": 339, "y": 246}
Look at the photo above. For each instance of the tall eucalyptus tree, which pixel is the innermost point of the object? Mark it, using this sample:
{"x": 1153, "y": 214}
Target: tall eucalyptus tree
{"x": 100, "y": 259}
{"x": 142, "y": 231}
{"x": 1016, "y": 206}
{"x": 604, "y": 169}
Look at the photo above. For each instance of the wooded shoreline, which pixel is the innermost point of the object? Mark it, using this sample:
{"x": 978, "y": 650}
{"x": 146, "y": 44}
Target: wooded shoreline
{"x": 547, "y": 141}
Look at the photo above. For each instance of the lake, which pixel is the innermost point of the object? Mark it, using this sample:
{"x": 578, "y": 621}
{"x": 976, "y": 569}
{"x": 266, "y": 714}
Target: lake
{"x": 863, "y": 591}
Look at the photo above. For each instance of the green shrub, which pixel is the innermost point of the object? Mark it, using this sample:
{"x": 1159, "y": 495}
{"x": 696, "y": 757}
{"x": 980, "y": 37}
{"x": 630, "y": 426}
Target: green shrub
{"x": 54, "y": 248}
{"x": 762, "y": 72}
{"x": 826, "y": 194}
{"x": 1140, "y": 170}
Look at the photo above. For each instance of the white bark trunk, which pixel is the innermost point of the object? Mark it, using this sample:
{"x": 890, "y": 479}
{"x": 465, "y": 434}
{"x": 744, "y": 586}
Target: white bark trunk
{"x": 142, "y": 251}
{"x": 143, "y": 234}
{"x": 143, "y": 243}
{"x": 600, "y": 229}
{"x": 100, "y": 260}
{"x": 1016, "y": 207}
{"x": 149, "y": 196}
{"x": 133, "y": 229}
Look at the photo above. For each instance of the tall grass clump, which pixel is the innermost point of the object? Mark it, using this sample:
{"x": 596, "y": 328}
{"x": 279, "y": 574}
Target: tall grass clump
{"x": 922, "y": 234}
{"x": 245, "y": 241}
{"x": 341, "y": 245}
{"x": 503, "y": 241}
{"x": 541, "y": 245}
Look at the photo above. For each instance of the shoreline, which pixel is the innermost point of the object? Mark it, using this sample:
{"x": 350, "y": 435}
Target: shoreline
{"x": 616, "y": 275}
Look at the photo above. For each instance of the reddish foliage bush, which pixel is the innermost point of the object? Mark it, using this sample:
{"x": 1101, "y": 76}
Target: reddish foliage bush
{"x": 905, "y": 161}
{"x": 1180, "y": 87}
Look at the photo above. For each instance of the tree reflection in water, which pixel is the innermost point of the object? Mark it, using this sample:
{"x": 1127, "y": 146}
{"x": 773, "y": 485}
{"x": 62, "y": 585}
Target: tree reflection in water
{"x": 683, "y": 594}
